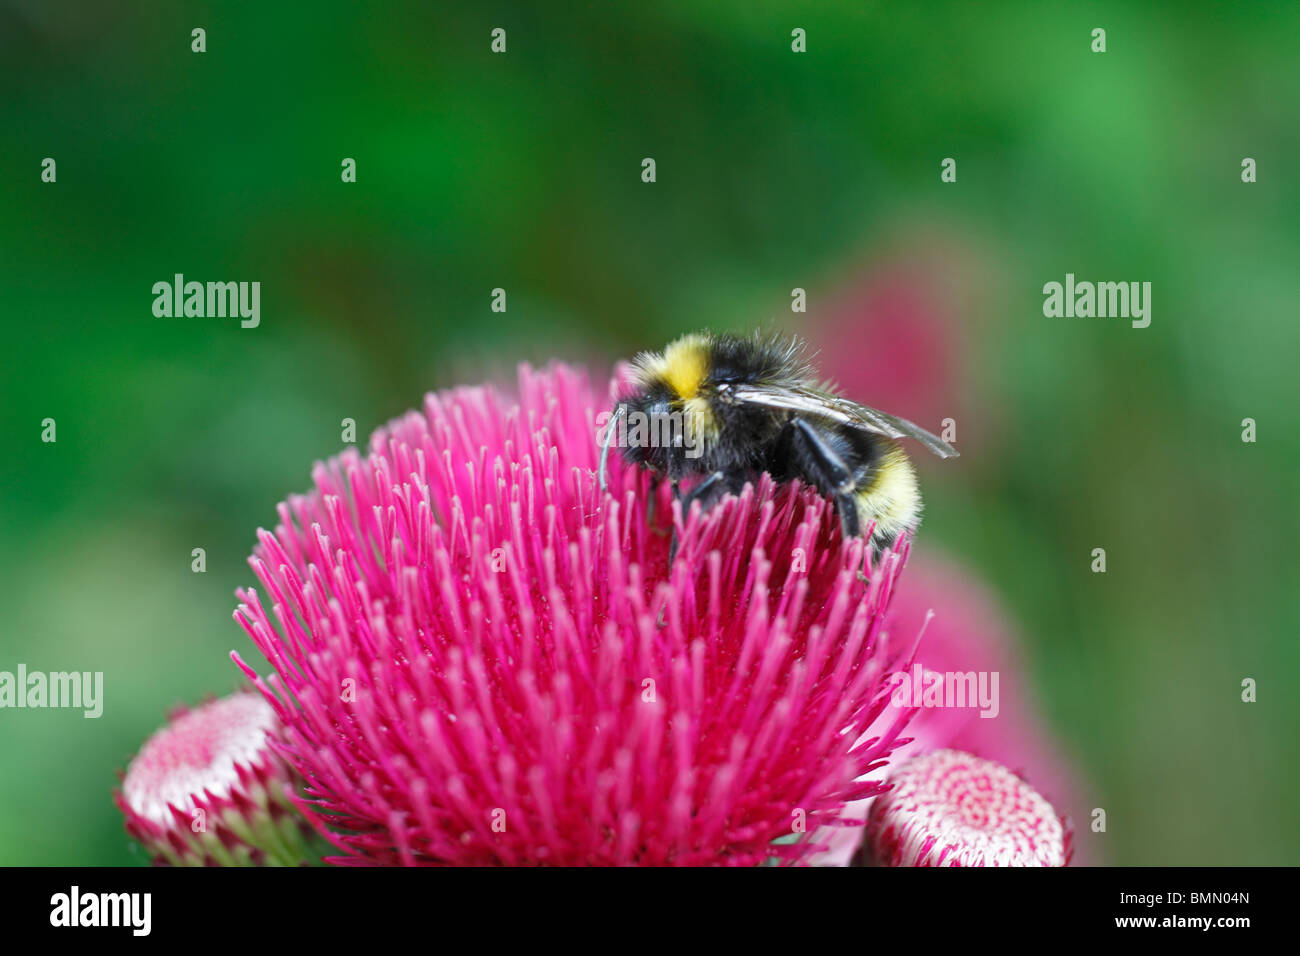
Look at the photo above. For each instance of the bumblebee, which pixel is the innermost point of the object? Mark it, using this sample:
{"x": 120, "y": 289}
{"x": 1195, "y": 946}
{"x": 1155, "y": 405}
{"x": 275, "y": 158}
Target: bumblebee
{"x": 723, "y": 409}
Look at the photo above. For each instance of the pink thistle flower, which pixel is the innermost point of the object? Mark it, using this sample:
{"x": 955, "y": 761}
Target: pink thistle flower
{"x": 478, "y": 659}
{"x": 948, "y": 808}
{"x": 207, "y": 790}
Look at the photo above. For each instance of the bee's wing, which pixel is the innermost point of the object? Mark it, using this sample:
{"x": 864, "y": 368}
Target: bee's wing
{"x": 902, "y": 428}
{"x": 815, "y": 401}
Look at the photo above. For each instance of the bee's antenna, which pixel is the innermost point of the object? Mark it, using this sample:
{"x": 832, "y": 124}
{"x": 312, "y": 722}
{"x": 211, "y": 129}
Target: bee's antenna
{"x": 619, "y": 411}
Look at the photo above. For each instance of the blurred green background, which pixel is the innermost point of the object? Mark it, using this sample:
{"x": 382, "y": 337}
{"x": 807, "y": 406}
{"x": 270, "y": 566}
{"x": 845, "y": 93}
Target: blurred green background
{"x": 775, "y": 170}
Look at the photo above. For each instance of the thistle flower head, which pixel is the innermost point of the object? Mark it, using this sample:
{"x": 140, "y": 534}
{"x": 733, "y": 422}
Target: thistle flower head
{"x": 480, "y": 659}
{"x": 206, "y": 789}
{"x": 948, "y": 808}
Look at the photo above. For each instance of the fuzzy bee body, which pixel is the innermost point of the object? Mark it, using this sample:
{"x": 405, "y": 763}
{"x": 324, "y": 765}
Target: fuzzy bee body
{"x": 744, "y": 406}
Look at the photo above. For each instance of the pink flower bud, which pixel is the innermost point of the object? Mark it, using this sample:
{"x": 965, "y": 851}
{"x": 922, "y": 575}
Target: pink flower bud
{"x": 207, "y": 789}
{"x": 948, "y": 808}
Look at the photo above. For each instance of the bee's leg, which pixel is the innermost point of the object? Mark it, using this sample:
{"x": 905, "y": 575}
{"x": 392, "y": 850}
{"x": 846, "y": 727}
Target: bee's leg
{"x": 820, "y": 465}
{"x": 851, "y": 523}
{"x": 699, "y": 491}
{"x": 688, "y": 499}
{"x": 672, "y": 550}
{"x": 650, "y": 506}
{"x": 672, "y": 544}
{"x": 850, "y": 520}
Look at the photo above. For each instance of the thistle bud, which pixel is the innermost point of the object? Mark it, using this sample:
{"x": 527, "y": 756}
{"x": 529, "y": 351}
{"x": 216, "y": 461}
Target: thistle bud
{"x": 208, "y": 790}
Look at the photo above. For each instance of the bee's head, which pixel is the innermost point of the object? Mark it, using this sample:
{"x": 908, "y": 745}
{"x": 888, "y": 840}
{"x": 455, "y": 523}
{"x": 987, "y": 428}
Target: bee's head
{"x": 669, "y": 411}
{"x": 683, "y": 393}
